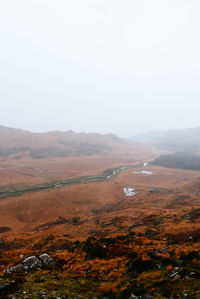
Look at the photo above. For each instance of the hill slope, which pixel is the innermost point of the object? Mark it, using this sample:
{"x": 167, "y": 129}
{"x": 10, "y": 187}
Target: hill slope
{"x": 183, "y": 160}
{"x": 18, "y": 144}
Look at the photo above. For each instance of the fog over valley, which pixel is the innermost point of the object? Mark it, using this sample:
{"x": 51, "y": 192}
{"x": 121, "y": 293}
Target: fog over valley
{"x": 96, "y": 66}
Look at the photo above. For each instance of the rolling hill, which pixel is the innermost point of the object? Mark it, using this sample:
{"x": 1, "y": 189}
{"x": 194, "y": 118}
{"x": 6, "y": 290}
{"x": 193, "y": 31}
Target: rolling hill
{"x": 17, "y": 144}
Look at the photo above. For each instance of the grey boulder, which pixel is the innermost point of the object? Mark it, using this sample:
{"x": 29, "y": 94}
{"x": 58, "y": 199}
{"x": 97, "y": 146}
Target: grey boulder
{"x": 47, "y": 261}
{"x": 31, "y": 263}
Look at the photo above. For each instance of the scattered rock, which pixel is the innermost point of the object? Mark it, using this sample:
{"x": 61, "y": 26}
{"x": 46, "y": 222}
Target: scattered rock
{"x": 176, "y": 268}
{"x": 159, "y": 266}
{"x": 47, "y": 261}
{"x": 42, "y": 293}
{"x": 173, "y": 274}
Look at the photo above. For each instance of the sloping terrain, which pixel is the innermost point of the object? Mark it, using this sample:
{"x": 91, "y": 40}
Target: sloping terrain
{"x": 20, "y": 144}
{"x": 115, "y": 225}
{"x": 105, "y": 242}
{"x": 183, "y": 160}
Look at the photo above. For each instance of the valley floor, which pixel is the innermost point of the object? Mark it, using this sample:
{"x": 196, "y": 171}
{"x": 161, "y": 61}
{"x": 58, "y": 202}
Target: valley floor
{"x": 105, "y": 244}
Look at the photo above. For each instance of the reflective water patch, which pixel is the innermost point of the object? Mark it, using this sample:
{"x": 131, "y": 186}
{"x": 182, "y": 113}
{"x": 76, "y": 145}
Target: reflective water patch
{"x": 129, "y": 191}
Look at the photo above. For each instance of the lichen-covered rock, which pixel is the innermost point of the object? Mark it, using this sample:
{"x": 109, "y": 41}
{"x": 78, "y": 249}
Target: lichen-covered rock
{"x": 47, "y": 261}
{"x": 31, "y": 263}
{"x": 14, "y": 269}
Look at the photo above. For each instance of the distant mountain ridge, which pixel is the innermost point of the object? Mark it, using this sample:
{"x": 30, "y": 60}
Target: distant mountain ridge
{"x": 18, "y": 143}
{"x": 173, "y": 140}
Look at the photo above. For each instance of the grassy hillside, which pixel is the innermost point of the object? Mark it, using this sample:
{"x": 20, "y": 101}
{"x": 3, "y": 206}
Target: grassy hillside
{"x": 184, "y": 160}
{"x": 19, "y": 144}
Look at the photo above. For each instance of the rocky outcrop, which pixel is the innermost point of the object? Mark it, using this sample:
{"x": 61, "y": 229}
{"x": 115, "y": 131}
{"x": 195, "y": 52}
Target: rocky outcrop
{"x": 47, "y": 261}
{"x": 31, "y": 263}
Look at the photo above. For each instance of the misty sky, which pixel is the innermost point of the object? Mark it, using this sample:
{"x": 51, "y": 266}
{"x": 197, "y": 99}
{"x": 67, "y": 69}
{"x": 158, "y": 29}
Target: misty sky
{"x": 93, "y": 65}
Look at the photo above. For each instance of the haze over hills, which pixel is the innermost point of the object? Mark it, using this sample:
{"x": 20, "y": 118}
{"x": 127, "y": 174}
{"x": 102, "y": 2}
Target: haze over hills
{"x": 172, "y": 140}
{"x": 18, "y": 144}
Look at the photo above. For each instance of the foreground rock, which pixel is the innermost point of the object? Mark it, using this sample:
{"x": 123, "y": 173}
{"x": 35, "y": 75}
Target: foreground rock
{"x": 31, "y": 263}
{"x": 7, "y": 287}
{"x": 47, "y": 261}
